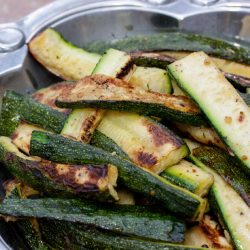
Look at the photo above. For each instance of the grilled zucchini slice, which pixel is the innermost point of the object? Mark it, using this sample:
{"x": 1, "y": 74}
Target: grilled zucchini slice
{"x": 147, "y": 143}
{"x": 88, "y": 181}
{"x": 175, "y": 41}
{"x": 187, "y": 175}
{"x": 123, "y": 219}
{"x": 77, "y": 236}
{"x": 104, "y": 92}
{"x": 218, "y": 99}
{"x": 230, "y": 207}
{"x": 227, "y": 167}
{"x": 61, "y": 57}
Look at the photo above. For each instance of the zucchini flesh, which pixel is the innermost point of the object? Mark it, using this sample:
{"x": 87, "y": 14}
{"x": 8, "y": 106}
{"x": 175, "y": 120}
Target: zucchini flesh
{"x": 22, "y": 136}
{"x": 114, "y": 63}
{"x": 218, "y": 99}
{"x": 124, "y": 219}
{"x": 81, "y": 124}
{"x": 227, "y": 167}
{"x": 230, "y": 208}
{"x": 147, "y": 143}
{"x": 60, "y": 149}
{"x": 187, "y": 175}
{"x": 61, "y": 57}
{"x": 202, "y": 134}
{"x": 77, "y": 236}
{"x": 16, "y": 107}
{"x": 100, "y": 91}
{"x": 90, "y": 181}
{"x": 175, "y": 41}
{"x": 153, "y": 79}
{"x": 207, "y": 236}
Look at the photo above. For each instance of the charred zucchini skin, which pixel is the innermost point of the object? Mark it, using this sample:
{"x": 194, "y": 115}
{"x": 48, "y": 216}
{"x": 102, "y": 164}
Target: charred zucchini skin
{"x": 76, "y": 236}
{"x": 124, "y": 219}
{"x": 227, "y": 167}
{"x": 175, "y": 41}
{"x": 100, "y": 140}
{"x": 144, "y": 108}
{"x": 60, "y": 149}
{"x": 16, "y": 107}
{"x": 33, "y": 173}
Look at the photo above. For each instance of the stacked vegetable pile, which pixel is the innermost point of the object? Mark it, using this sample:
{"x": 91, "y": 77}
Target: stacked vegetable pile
{"x": 101, "y": 160}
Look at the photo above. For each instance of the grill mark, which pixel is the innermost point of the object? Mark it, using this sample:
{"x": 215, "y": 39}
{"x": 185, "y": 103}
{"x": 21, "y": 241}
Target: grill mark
{"x": 125, "y": 70}
{"x": 95, "y": 173}
{"x": 145, "y": 159}
{"x": 161, "y": 136}
{"x": 89, "y": 125}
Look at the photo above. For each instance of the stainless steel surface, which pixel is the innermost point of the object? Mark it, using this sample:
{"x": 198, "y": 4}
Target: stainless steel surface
{"x": 83, "y": 21}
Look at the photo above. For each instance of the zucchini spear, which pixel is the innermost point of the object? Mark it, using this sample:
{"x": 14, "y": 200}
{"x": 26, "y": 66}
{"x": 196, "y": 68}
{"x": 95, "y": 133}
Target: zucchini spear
{"x": 230, "y": 207}
{"x": 100, "y": 91}
{"x": 218, "y": 99}
{"x": 123, "y": 219}
{"x": 227, "y": 167}
{"x": 175, "y": 41}
{"x": 89, "y": 181}
{"x": 77, "y": 236}
{"x": 60, "y": 149}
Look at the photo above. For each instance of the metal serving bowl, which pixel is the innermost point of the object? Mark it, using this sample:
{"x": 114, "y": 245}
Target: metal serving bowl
{"x": 84, "y": 21}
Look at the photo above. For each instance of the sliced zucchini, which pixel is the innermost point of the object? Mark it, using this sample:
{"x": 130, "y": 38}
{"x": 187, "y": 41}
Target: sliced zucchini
{"x": 114, "y": 63}
{"x": 248, "y": 90}
{"x": 187, "y": 175}
{"x": 104, "y": 92}
{"x": 153, "y": 79}
{"x": 175, "y": 41}
{"x": 147, "y": 143}
{"x": 129, "y": 220}
{"x": 227, "y": 167}
{"x": 218, "y": 99}
{"x": 81, "y": 123}
{"x": 76, "y": 236}
{"x": 16, "y": 107}
{"x": 89, "y": 181}
{"x": 202, "y": 134}
{"x": 61, "y": 57}
{"x": 230, "y": 208}
{"x": 60, "y": 149}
